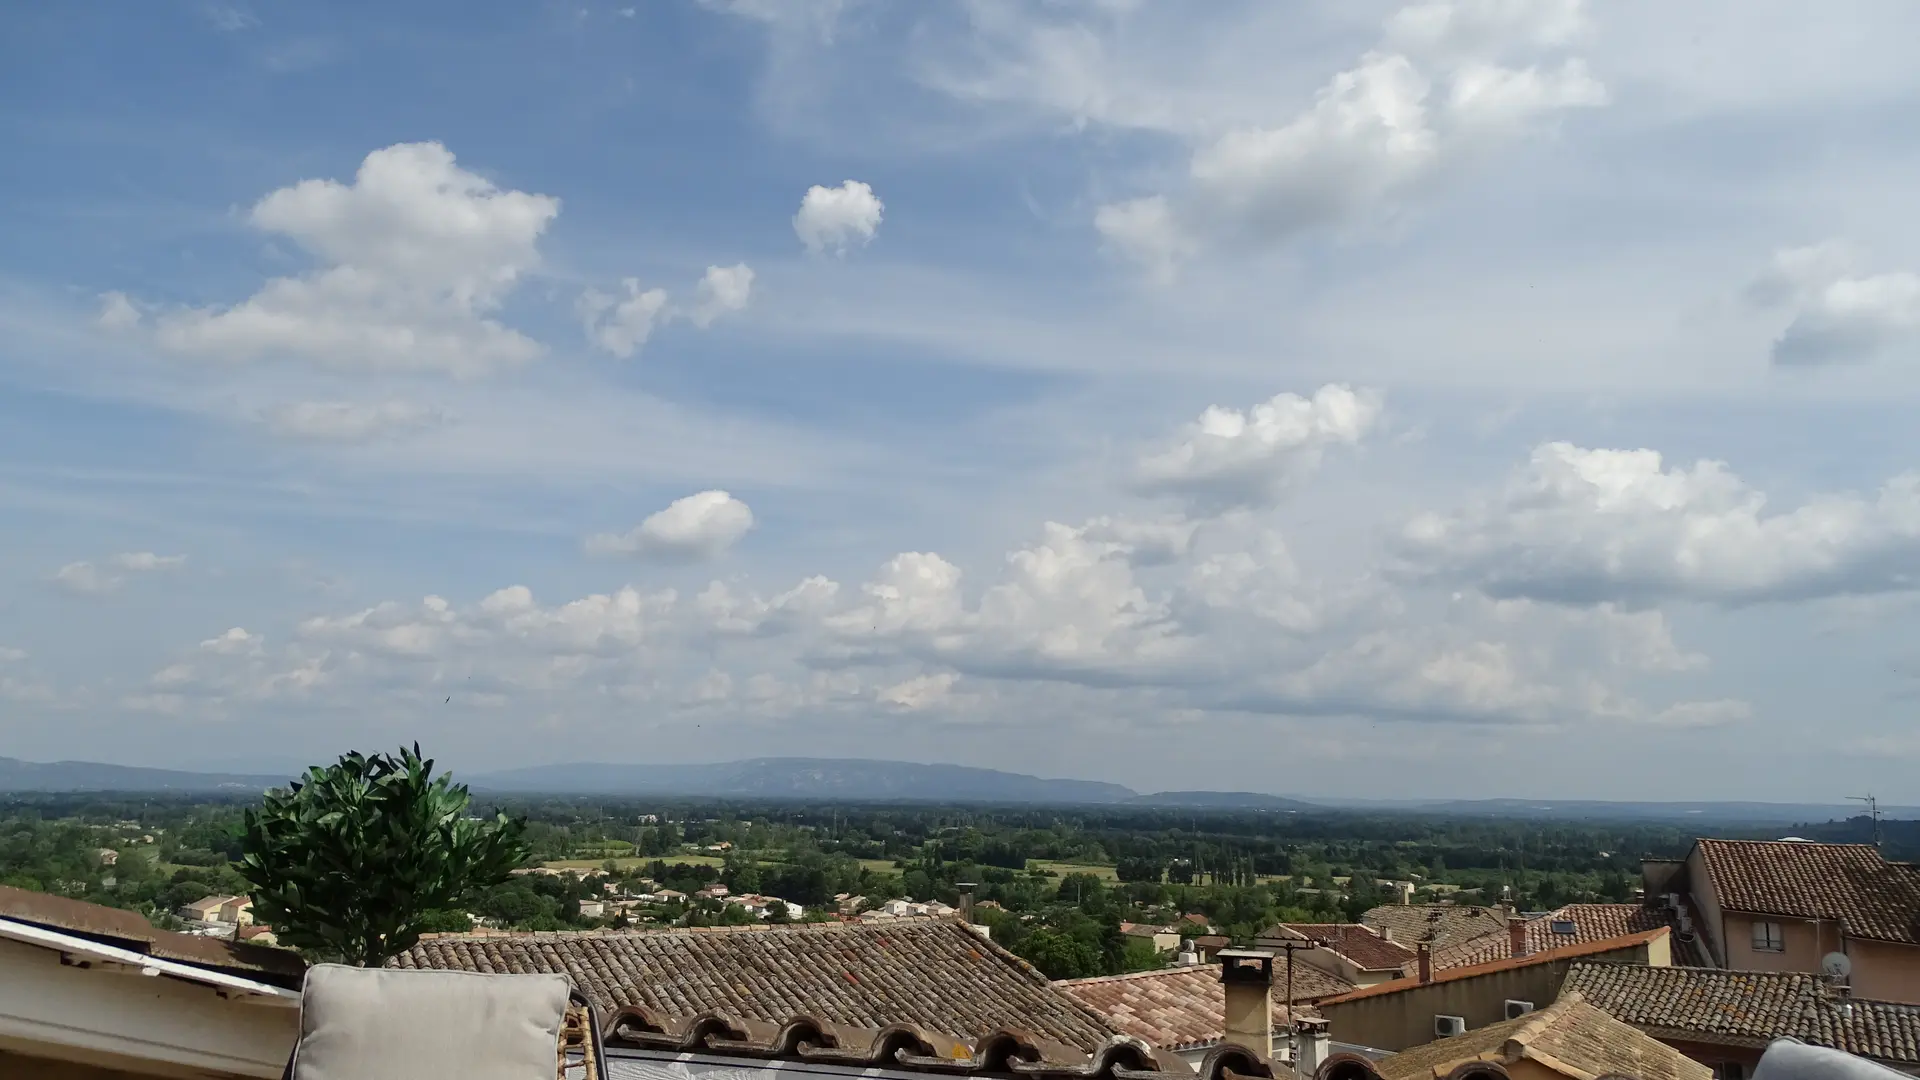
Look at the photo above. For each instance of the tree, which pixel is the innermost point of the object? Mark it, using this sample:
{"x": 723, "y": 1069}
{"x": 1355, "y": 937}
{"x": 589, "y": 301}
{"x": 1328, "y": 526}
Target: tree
{"x": 349, "y": 861}
{"x": 1059, "y": 955}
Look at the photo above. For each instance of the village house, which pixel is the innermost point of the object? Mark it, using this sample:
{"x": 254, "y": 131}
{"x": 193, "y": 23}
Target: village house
{"x": 1184, "y": 1010}
{"x": 1574, "y": 924}
{"x": 1567, "y": 1040}
{"x": 235, "y": 910}
{"x": 1355, "y": 952}
{"x": 74, "y": 1004}
{"x": 1726, "y": 1019}
{"x": 1162, "y": 938}
{"x": 1433, "y": 1003}
{"x": 1786, "y": 905}
{"x": 108, "y": 856}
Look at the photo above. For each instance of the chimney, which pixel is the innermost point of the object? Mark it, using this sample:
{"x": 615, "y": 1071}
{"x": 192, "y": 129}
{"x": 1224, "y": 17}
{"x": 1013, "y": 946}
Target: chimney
{"x": 1247, "y": 975}
{"x": 1517, "y": 934}
{"x": 1311, "y": 1031}
{"x": 1188, "y": 957}
{"x": 966, "y": 900}
{"x": 1386, "y": 933}
{"x": 1426, "y": 962}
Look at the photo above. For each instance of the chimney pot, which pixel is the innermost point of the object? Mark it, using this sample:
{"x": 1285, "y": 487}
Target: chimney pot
{"x": 1517, "y": 935}
{"x": 1314, "y": 1042}
{"x": 1386, "y": 933}
{"x": 966, "y": 900}
{"x": 1426, "y": 962}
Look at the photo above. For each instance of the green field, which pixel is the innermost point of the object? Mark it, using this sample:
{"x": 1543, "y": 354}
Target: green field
{"x": 632, "y": 863}
{"x": 1104, "y": 873}
{"x": 879, "y": 866}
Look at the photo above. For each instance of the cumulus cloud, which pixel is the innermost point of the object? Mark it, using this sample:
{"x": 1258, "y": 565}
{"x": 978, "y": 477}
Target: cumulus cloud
{"x": 1374, "y": 133}
{"x": 351, "y": 421}
{"x": 622, "y": 324}
{"x": 89, "y": 579}
{"x": 1837, "y": 314}
{"x": 724, "y": 289}
{"x": 831, "y": 220}
{"x": 1588, "y": 526}
{"x": 117, "y": 312}
{"x": 10, "y": 655}
{"x": 414, "y": 255}
{"x": 698, "y": 526}
{"x": 1229, "y": 458}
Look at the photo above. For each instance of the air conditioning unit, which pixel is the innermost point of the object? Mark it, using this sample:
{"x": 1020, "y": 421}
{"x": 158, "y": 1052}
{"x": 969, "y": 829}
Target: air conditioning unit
{"x": 1518, "y": 1009}
{"x": 1446, "y": 1027}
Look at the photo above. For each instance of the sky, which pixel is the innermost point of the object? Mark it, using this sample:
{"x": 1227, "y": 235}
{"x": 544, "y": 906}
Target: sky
{"x": 1444, "y": 398}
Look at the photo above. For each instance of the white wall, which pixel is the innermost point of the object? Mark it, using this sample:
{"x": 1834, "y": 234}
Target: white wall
{"x": 155, "y": 1025}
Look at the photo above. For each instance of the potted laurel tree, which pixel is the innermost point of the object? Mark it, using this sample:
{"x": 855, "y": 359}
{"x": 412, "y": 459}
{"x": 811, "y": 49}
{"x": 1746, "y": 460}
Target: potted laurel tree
{"x": 350, "y": 862}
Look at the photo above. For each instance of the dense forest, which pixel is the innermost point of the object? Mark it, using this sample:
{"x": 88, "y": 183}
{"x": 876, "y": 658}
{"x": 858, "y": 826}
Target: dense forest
{"x": 1058, "y": 882}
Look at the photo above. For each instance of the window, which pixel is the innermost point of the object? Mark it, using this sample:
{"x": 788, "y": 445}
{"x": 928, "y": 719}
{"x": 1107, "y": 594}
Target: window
{"x": 1730, "y": 1070}
{"x": 1767, "y": 937}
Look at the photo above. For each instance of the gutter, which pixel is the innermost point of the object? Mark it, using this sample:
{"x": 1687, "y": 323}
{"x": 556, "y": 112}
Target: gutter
{"x": 70, "y": 946}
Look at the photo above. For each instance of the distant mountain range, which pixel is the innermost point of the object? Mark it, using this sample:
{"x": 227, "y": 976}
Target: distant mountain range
{"x": 858, "y": 780}
{"x": 804, "y": 778}
{"x": 16, "y": 775}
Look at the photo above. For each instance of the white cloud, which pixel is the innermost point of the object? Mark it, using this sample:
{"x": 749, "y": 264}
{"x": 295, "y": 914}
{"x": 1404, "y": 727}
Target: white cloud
{"x": 414, "y": 254}
{"x": 1837, "y": 314}
{"x": 236, "y": 641}
{"x": 1372, "y": 135}
{"x": 920, "y": 691}
{"x": 833, "y": 219}
{"x": 621, "y": 325}
{"x": 10, "y": 655}
{"x": 1587, "y": 526}
{"x": 1230, "y": 458}
{"x": 724, "y": 289}
{"x": 698, "y": 526}
{"x": 351, "y": 421}
{"x": 88, "y": 579}
{"x": 117, "y": 312}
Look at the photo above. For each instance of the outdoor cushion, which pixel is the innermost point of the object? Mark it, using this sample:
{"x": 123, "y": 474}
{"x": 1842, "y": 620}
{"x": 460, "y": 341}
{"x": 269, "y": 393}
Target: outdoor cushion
{"x": 391, "y": 1024}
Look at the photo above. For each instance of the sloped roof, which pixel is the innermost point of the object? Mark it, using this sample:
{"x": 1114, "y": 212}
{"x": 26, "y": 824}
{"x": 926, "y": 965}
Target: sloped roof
{"x": 130, "y": 930}
{"x": 1850, "y": 883}
{"x": 1589, "y": 922}
{"x": 1570, "y": 1037}
{"x": 1747, "y": 1008}
{"x": 1357, "y": 942}
{"x": 1183, "y": 1008}
{"x": 1435, "y": 924}
{"x": 936, "y": 974}
{"x": 1565, "y": 952}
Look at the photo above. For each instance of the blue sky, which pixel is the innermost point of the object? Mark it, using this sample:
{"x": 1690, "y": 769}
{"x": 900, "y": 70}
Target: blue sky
{"x": 1424, "y": 397}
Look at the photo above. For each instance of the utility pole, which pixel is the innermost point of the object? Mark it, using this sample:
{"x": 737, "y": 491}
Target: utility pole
{"x": 1873, "y": 811}
{"x": 1293, "y": 1049}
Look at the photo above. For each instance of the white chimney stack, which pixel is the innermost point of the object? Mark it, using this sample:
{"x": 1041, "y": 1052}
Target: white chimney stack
{"x": 1315, "y": 1044}
{"x": 1247, "y": 975}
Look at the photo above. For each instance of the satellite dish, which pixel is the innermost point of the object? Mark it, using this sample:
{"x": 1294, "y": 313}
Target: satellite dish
{"x": 1836, "y": 965}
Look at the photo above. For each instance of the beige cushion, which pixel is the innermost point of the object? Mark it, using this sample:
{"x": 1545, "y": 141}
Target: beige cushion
{"x": 389, "y": 1024}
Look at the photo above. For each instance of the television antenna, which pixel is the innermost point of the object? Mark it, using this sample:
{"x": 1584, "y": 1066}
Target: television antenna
{"x": 1873, "y": 811}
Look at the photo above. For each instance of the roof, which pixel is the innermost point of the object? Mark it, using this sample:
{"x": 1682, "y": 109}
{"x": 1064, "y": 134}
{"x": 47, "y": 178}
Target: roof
{"x": 1435, "y": 924}
{"x": 1355, "y": 941}
{"x": 1587, "y": 922}
{"x": 1184, "y": 1008}
{"x": 1565, "y": 952}
{"x": 1747, "y": 1008}
{"x": 1569, "y": 1036}
{"x": 130, "y": 930}
{"x": 934, "y": 973}
{"x": 1850, "y": 883}
{"x": 713, "y": 1044}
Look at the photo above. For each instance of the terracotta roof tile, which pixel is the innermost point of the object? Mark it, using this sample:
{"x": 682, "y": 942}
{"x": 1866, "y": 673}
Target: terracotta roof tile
{"x": 1747, "y": 1008}
{"x": 1565, "y": 952}
{"x": 1573, "y": 924}
{"x": 131, "y": 930}
{"x": 1183, "y": 1008}
{"x": 1569, "y": 1037}
{"x": 1357, "y": 942}
{"x": 933, "y": 973}
{"x": 1850, "y": 883}
{"x": 1436, "y": 924}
